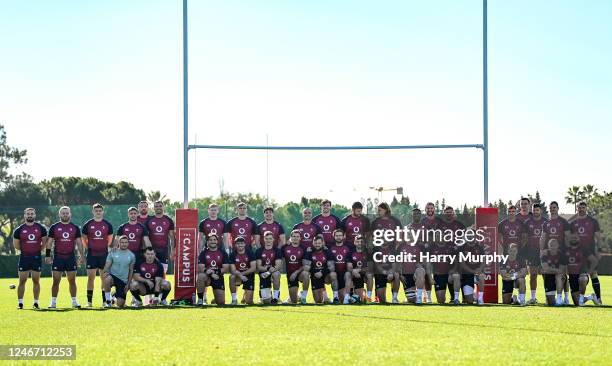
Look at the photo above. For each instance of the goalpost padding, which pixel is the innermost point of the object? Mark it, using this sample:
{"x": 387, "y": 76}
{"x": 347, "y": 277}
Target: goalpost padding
{"x": 186, "y": 261}
{"x": 486, "y": 219}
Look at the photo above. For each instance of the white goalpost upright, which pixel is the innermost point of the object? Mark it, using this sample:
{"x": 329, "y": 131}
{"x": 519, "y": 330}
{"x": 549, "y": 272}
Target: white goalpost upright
{"x": 484, "y": 146}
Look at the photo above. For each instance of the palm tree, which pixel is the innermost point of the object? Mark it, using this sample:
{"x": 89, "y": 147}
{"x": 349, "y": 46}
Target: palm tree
{"x": 574, "y": 195}
{"x": 154, "y": 196}
{"x": 588, "y": 192}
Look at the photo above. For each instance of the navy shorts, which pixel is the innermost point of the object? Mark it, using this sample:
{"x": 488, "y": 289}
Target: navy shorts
{"x": 119, "y": 287}
{"x": 467, "y": 279}
{"x": 96, "y": 261}
{"x": 67, "y": 264}
{"x": 294, "y": 283}
{"x": 162, "y": 256}
{"x": 249, "y": 284}
{"x": 218, "y": 284}
{"x": 408, "y": 280}
{"x": 574, "y": 281}
{"x": 30, "y": 263}
{"x": 380, "y": 281}
{"x": 508, "y": 286}
{"x": 359, "y": 282}
{"x": 318, "y": 283}
{"x": 440, "y": 282}
{"x": 265, "y": 282}
{"x": 550, "y": 284}
{"x": 341, "y": 280}
{"x": 532, "y": 254}
{"x": 148, "y": 290}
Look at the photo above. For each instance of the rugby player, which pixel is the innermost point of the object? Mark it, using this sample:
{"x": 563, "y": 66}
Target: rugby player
{"x": 589, "y": 235}
{"x": 307, "y": 229}
{"x": 148, "y": 279}
{"x": 432, "y": 222}
{"x": 557, "y": 228}
{"x": 385, "y": 272}
{"x": 64, "y": 238}
{"x": 243, "y": 266}
{"x": 513, "y": 274}
{"x": 578, "y": 271}
{"x": 449, "y": 223}
{"x": 355, "y": 224}
{"x": 97, "y": 236}
{"x": 293, "y": 255}
{"x": 553, "y": 268}
{"x": 444, "y": 272}
{"x": 511, "y": 230}
{"x": 412, "y": 273}
{"x": 268, "y": 224}
{"x": 472, "y": 272}
{"x": 137, "y": 233}
{"x": 319, "y": 262}
{"x": 357, "y": 266}
{"x": 524, "y": 213}
{"x": 342, "y": 254}
{"x": 533, "y": 227}
{"x": 29, "y": 238}
{"x": 269, "y": 264}
{"x": 143, "y": 212}
{"x": 213, "y": 263}
{"x": 118, "y": 271}
{"x": 327, "y": 222}
{"x": 161, "y": 234}
{"x": 241, "y": 225}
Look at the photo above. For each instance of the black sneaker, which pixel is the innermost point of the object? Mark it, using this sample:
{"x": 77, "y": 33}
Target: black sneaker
{"x": 274, "y": 301}
{"x": 336, "y": 300}
{"x": 20, "y": 306}
{"x": 36, "y": 306}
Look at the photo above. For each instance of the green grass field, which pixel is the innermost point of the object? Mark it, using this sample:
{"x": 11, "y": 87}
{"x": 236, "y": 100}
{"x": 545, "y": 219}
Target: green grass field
{"x": 312, "y": 334}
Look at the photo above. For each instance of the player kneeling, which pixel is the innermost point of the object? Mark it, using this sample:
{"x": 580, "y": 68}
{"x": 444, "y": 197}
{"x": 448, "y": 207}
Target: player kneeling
{"x": 212, "y": 265}
{"x": 385, "y": 272}
{"x": 320, "y": 263}
{"x": 269, "y": 263}
{"x": 578, "y": 271}
{"x": 412, "y": 274}
{"x": 148, "y": 280}
{"x": 553, "y": 268}
{"x": 472, "y": 272}
{"x": 513, "y": 274}
{"x": 357, "y": 267}
{"x": 118, "y": 272}
{"x": 242, "y": 267}
{"x": 294, "y": 264}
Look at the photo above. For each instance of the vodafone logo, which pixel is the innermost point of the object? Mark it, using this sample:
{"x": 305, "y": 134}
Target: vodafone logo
{"x": 31, "y": 237}
{"x": 512, "y": 233}
{"x": 572, "y": 260}
{"x": 131, "y": 236}
{"x": 553, "y": 230}
{"x": 356, "y": 229}
{"x": 213, "y": 231}
{"x": 213, "y": 263}
{"x": 147, "y": 275}
{"x": 98, "y": 234}
{"x": 318, "y": 264}
{"x": 242, "y": 265}
{"x": 306, "y": 235}
{"x": 159, "y": 229}
{"x": 326, "y": 227}
{"x": 292, "y": 258}
{"x": 339, "y": 257}
{"x": 359, "y": 263}
{"x": 581, "y": 230}
{"x": 241, "y": 231}
{"x": 537, "y": 231}
{"x": 65, "y": 235}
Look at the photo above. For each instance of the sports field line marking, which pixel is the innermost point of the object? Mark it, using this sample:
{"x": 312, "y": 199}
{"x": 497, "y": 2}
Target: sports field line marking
{"x": 443, "y": 323}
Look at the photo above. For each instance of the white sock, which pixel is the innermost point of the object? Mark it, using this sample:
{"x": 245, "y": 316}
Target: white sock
{"x": 234, "y": 296}
{"x": 107, "y": 296}
{"x": 20, "y": 301}
{"x": 346, "y": 297}
{"x": 428, "y": 294}
{"x": 457, "y": 295}
{"x": 581, "y": 300}
{"x": 335, "y": 294}
{"x": 394, "y": 295}
{"x": 204, "y": 297}
{"x": 35, "y": 301}
{"x": 566, "y": 297}
{"x": 419, "y": 294}
{"x": 369, "y": 294}
{"x": 522, "y": 297}
{"x": 53, "y": 300}
{"x": 481, "y": 296}
{"x": 559, "y": 299}
{"x": 533, "y": 294}
{"x": 514, "y": 298}
{"x": 276, "y": 294}
{"x": 74, "y": 301}
{"x": 304, "y": 294}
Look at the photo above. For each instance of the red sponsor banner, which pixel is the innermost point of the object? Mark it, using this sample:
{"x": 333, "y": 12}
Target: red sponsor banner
{"x": 186, "y": 262}
{"x": 486, "y": 220}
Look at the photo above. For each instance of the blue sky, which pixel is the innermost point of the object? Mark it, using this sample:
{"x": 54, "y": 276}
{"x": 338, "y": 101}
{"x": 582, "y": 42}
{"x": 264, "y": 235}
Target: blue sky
{"x": 94, "y": 89}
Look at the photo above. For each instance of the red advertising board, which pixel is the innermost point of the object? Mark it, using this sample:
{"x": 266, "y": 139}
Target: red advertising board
{"x": 186, "y": 262}
{"x": 486, "y": 220}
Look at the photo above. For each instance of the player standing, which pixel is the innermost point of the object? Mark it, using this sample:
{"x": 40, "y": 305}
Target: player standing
{"x": 243, "y": 266}
{"x": 143, "y": 212}
{"x": 97, "y": 236}
{"x": 511, "y": 230}
{"x": 64, "y": 238}
{"x": 557, "y": 228}
{"x": 29, "y": 238}
{"x": 341, "y": 254}
{"x": 161, "y": 234}
{"x": 513, "y": 274}
{"x": 589, "y": 235}
{"x": 533, "y": 227}
{"x": 328, "y": 222}
{"x": 430, "y": 225}
{"x": 118, "y": 271}
{"x": 355, "y": 224}
{"x": 148, "y": 279}
{"x": 269, "y": 264}
{"x": 553, "y": 268}
{"x": 319, "y": 262}
{"x": 268, "y": 224}
{"x": 524, "y": 213}
{"x": 294, "y": 256}
{"x": 449, "y": 224}
{"x": 307, "y": 229}
{"x": 213, "y": 263}
{"x": 384, "y": 271}
{"x": 243, "y": 226}
{"x": 137, "y": 233}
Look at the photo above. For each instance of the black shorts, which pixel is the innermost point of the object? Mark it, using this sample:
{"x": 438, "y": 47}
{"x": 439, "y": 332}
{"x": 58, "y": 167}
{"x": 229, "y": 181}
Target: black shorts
{"x": 532, "y": 254}
{"x": 96, "y": 261}
{"x": 162, "y": 256}
{"x": 119, "y": 287}
{"x": 318, "y": 283}
{"x": 440, "y": 282}
{"x": 29, "y": 263}
{"x": 218, "y": 284}
{"x": 467, "y": 279}
{"x": 341, "y": 281}
{"x": 249, "y": 284}
{"x": 380, "y": 281}
{"x": 408, "y": 281}
{"x": 294, "y": 283}
{"x": 508, "y": 286}
{"x": 574, "y": 281}
{"x": 359, "y": 282}
{"x": 550, "y": 284}
{"x": 265, "y": 282}
{"x": 64, "y": 264}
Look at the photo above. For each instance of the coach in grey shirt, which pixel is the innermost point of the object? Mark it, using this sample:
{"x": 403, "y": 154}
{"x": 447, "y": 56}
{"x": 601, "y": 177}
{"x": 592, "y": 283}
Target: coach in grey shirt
{"x": 118, "y": 272}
